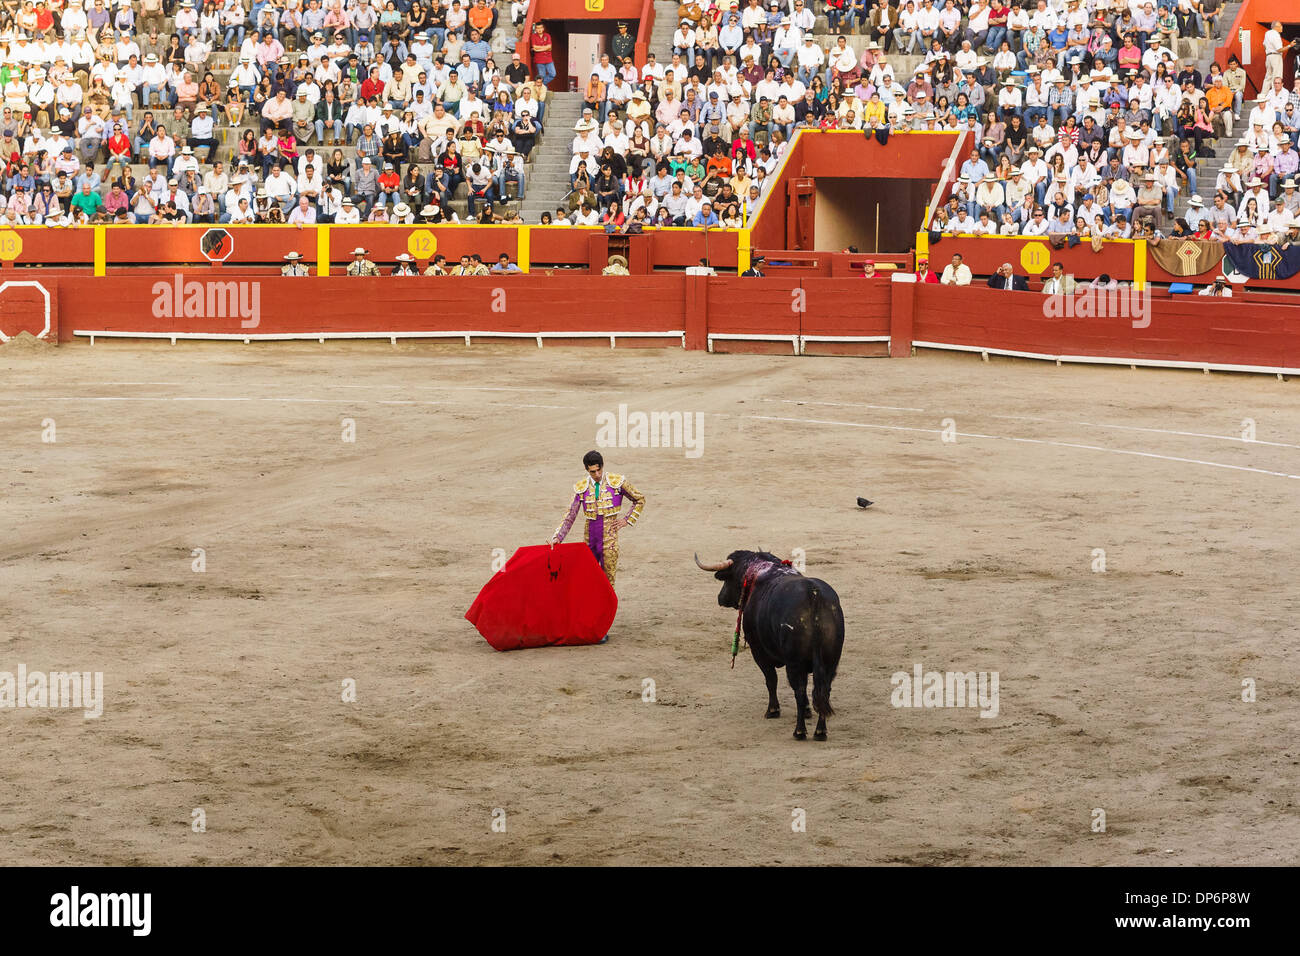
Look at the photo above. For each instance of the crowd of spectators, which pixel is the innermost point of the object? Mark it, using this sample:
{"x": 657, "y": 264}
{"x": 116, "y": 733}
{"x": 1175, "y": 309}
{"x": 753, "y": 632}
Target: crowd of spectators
{"x": 413, "y": 92}
{"x": 1090, "y": 141}
{"x": 1088, "y": 123}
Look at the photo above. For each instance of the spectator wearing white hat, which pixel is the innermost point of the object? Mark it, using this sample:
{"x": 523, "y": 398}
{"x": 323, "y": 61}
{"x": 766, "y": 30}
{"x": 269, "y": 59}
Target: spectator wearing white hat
{"x": 203, "y": 133}
{"x": 811, "y": 58}
{"x": 246, "y": 76}
{"x": 202, "y": 208}
{"x": 361, "y": 264}
{"x": 153, "y": 81}
{"x": 1219, "y": 288}
{"x": 294, "y": 266}
{"x": 349, "y": 214}
{"x": 185, "y": 162}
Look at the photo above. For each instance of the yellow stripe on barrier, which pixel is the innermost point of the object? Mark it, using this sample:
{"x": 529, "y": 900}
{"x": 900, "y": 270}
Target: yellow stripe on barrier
{"x": 322, "y": 250}
{"x": 1140, "y": 264}
{"x": 101, "y": 251}
{"x": 744, "y": 251}
{"x": 922, "y": 245}
{"x": 524, "y": 254}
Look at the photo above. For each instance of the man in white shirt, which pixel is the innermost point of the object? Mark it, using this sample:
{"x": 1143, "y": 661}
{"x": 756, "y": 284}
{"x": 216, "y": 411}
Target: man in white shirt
{"x": 927, "y": 26}
{"x": 956, "y": 272}
{"x": 811, "y": 59}
{"x": 279, "y": 187}
{"x": 1273, "y": 46}
{"x": 786, "y": 42}
{"x": 1037, "y": 224}
{"x": 348, "y": 215}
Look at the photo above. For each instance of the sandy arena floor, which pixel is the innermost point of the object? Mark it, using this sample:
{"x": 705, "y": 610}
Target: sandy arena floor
{"x": 329, "y": 561}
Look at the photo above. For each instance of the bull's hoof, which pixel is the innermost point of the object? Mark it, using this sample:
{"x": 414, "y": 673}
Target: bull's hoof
{"x": 819, "y": 735}
{"x": 801, "y": 735}
{"x": 773, "y": 712}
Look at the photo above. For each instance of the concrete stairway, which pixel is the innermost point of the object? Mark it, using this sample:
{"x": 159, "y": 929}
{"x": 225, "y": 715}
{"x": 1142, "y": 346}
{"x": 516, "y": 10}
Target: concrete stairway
{"x": 548, "y": 175}
{"x": 1208, "y": 167}
{"x": 665, "y": 26}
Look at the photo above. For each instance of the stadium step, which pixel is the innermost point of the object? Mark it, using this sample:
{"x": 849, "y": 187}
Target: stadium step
{"x": 548, "y": 182}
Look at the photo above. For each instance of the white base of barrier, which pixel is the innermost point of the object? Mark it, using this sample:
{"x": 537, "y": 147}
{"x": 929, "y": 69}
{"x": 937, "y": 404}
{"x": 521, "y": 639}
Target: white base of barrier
{"x": 796, "y": 341}
{"x": 321, "y": 337}
{"x": 1206, "y": 367}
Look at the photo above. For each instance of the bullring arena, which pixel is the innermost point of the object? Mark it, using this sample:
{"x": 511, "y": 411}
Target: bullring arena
{"x": 328, "y": 560}
{"x": 284, "y": 386}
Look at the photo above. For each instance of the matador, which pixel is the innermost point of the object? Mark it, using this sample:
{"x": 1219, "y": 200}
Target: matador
{"x": 600, "y": 497}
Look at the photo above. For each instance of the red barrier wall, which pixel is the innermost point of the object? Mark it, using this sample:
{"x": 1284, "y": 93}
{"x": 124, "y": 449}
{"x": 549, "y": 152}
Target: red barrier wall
{"x": 1116, "y": 258}
{"x": 29, "y": 306}
{"x": 984, "y": 254}
{"x": 1181, "y": 329}
{"x": 783, "y": 316}
{"x": 566, "y": 246}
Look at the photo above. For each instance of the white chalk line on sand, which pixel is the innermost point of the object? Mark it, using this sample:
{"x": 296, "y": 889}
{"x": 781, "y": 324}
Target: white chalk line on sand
{"x": 806, "y": 421}
{"x": 1031, "y": 441}
{"x": 279, "y": 401}
{"x": 887, "y": 408}
{"x": 1050, "y": 421}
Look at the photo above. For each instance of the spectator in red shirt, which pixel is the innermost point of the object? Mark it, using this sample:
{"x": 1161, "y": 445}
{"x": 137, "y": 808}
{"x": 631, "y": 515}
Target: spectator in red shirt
{"x": 923, "y": 273}
{"x": 389, "y": 185}
{"x": 743, "y": 146}
{"x": 119, "y": 148}
{"x": 372, "y": 87}
{"x": 543, "y": 62}
{"x": 44, "y": 18}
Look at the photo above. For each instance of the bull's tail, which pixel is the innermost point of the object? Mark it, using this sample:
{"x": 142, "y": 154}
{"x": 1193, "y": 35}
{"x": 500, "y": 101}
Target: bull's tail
{"x": 826, "y": 653}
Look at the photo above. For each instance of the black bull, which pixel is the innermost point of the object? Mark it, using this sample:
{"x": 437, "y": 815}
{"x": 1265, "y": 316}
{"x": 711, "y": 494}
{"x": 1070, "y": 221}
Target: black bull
{"x": 789, "y": 621}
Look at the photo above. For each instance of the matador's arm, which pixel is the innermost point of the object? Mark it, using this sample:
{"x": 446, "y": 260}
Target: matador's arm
{"x": 638, "y": 503}
{"x": 563, "y": 530}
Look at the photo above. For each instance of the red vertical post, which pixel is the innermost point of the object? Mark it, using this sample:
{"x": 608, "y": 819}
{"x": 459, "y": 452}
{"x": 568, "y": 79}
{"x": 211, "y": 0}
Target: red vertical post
{"x": 902, "y": 312}
{"x": 696, "y": 312}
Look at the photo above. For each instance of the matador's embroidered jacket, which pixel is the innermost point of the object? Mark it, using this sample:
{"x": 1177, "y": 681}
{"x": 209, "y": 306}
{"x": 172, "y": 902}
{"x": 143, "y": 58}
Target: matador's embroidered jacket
{"x": 601, "y": 511}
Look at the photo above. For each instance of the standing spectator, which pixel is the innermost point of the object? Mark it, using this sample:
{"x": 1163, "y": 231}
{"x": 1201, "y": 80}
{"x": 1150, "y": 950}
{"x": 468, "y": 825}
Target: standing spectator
{"x": 543, "y": 61}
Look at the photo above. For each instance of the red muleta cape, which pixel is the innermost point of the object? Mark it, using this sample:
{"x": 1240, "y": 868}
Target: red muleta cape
{"x": 545, "y": 596}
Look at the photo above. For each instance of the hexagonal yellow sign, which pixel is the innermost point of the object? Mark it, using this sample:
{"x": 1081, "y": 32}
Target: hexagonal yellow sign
{"x": 11, "y": 245}
{"x": 1035, "y": 257}
{"x": 595, "y": 6}
{"x": 422, "y": 244}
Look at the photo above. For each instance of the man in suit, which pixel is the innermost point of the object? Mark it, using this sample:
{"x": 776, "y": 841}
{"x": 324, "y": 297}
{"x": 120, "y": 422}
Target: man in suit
{"x": 1059, "y": 283}
{"x": 755, "y": 270}
{"x": 1005, "y": 278}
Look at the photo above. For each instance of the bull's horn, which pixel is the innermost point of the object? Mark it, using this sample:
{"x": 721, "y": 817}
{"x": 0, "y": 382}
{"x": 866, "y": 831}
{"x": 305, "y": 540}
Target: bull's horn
{"x": 720, "y": 566}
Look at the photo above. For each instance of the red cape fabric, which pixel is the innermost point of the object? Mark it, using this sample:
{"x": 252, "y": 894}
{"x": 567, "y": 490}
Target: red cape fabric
{"x": 545, "y": 597}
